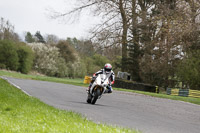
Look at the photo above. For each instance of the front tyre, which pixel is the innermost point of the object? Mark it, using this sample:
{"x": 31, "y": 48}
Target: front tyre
{"x": 89, "y": 98}
{"x": 96, "y": 93}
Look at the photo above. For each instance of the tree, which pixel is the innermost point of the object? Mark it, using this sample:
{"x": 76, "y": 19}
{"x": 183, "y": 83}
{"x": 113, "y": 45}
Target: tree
{"x": 29, "y": 38}
{"x": 122, "y": 6}
{"x": 99, "y": 60}
{"x": 51, "y": 39}
{"x": 16, "y": 56}
{"x": 113, "y": 29}
{"x": 165, "y": 34}
{"x": 8, "y": 55}
{"x": 7, "y": 31}
{"x": 134, "y": 44}
{"x": 66, "y": 51}
{"x": 188, "y": 70}
{"x": 83, "y": 47}
{"x": 155, "y": 35}
{"x": 191, "y": 9}
{"x": 112, "y": 52}
{"x": 48, "y": 60}
{"x": 39, "y": 37}
{"x": 157, "y": 42}
{"x": 26, "y": 56}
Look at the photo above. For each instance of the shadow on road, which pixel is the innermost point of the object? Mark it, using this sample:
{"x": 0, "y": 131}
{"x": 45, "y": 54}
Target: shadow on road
{"x": 89, "y": 104}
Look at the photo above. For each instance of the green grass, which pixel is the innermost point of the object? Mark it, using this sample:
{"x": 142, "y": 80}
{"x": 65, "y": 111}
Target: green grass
{"x": 21, "y": 113}
{"x": 79, "y": 82}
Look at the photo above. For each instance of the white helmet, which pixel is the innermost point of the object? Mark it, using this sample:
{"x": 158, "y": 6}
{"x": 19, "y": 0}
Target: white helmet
{"x": 108, "y": 67}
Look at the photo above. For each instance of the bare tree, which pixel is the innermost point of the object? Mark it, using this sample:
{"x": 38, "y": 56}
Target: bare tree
{"x": 114, "y": 26}
{"x": 173, "y": 33}
{"x": 51, "y": 39}
{"x": 7, "y": 31}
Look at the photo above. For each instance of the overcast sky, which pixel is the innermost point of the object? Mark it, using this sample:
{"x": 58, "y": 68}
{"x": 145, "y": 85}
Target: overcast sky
{"x": 33, "y": 15}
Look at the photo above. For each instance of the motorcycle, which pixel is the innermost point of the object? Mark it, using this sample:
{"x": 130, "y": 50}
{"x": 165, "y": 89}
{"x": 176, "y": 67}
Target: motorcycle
{"x": 98, "y": 88}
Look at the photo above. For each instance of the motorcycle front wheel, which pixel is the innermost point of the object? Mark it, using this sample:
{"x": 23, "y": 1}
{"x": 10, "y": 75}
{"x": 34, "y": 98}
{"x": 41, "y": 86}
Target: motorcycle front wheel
{"x": 89, "y": 97}
{"x": 96, "y": 94}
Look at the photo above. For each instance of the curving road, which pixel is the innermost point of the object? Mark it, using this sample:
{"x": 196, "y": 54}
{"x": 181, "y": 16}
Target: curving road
{"x": 144, "y": 113}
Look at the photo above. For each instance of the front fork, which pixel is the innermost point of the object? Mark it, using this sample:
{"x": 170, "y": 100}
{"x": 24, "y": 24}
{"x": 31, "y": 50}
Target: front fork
{"x": 102, "y": 90}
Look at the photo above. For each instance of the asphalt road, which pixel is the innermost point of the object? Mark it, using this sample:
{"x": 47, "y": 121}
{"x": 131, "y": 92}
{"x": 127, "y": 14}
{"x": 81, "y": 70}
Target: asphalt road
{"x": 137, "y": 111}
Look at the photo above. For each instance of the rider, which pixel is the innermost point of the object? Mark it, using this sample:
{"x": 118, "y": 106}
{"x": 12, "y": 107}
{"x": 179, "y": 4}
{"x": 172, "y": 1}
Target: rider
{"x": 108, "y": 71}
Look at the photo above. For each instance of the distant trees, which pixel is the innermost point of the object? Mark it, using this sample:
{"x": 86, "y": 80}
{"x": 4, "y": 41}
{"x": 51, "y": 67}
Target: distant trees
{"x": 7, "y": 31}
{"x": 49, "y": 55}
{"x": 152, "y": 40}
{"x": 15, "y": 56}
{"x": 48, "y": 60}
{"x": 39, "y": 37}
{"x": 58, "y": 60}
{"x": 51, "y": 39}
{"x": 29, "y": 38}
{"x": 66, "y": 51}
{"x": 114, "y": 27}
{"x": 154, "y": 35}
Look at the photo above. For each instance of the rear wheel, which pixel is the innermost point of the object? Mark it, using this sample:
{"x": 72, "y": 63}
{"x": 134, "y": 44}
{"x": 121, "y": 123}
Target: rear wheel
{"x": 96, "y": 93}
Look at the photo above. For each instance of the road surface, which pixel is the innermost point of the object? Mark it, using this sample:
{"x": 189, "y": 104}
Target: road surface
{"x": 145, "y": 113}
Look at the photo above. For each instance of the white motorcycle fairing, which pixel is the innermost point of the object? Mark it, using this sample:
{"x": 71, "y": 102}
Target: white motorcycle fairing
{"x": 98, "y": 88}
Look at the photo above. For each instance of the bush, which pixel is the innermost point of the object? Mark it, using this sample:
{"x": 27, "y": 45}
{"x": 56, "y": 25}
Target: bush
{"x": 2, "y": 66}
{"x": 78, "y": 69}
{"x": 26, "y": 57}
{"x": 48, "y": 60}
{"x": 62, "y": 70}
{"x": 67, "y": 51}
{"x": 100, "y": 60}
{"x": 189, "y": 70}
{"x": 94, "y": 63}
{"x": 8, "y": 55}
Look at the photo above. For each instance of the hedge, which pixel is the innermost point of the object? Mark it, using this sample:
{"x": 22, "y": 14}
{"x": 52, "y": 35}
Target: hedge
{"x": 126, "y": 84}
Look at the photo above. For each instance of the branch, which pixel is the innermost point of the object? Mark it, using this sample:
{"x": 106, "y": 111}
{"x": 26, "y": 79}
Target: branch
{"x": 78, "y": 9}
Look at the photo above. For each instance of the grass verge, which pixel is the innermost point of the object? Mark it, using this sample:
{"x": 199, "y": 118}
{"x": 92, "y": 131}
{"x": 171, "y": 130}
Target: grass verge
{"x": 179, "y": 98}
{"x": 79, "y": 82}
{"x": 21, "y": 113}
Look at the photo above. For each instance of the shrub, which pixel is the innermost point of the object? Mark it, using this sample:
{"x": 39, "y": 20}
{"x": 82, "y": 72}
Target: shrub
{"x": 8, "y": 55}
{"x": 48, "y": 60}
{"x": 62, "y": 70}
{"x": 188, "y": 70}
{"x": 100, "y": 60}
{"x": 67, "y": 51}
{"x": 2, "y": 66}
{"x": 26, "y": 57}
{"x": 94, "y": 63}
{"x": 78, "y": 69}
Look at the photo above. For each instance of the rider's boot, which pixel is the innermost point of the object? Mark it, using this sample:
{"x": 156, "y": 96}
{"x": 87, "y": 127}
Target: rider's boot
{"x": 88, "y": 89}
{"x": 108, "y": 90}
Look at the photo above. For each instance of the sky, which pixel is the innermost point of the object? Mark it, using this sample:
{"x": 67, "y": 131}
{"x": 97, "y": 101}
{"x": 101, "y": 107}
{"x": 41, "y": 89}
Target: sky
{"x": 34, "y": 15}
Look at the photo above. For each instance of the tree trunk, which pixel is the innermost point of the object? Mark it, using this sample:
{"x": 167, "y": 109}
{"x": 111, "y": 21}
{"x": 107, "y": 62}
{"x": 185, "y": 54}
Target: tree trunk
{"x": 124, "y": 35}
